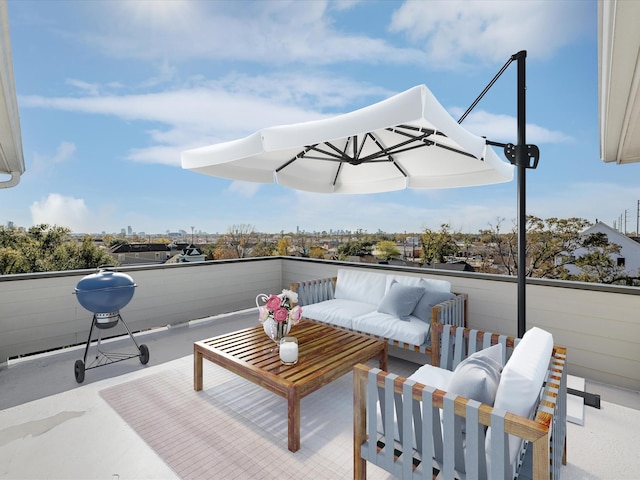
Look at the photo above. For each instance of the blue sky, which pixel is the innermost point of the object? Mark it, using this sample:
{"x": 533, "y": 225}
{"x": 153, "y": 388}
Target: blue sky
{"x": 110, "y": 93}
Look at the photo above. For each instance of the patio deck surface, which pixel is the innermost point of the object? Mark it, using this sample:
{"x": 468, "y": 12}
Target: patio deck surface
{"x": 51, "y": 427}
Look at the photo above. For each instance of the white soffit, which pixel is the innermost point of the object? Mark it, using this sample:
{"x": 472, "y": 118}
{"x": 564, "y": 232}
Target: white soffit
{"x": 11, "y": 157}
{"x": 619, "y": 80}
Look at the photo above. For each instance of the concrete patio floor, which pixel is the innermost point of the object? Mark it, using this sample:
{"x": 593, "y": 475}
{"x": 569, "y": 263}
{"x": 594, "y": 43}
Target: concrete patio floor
{"x": 53, "y": 427}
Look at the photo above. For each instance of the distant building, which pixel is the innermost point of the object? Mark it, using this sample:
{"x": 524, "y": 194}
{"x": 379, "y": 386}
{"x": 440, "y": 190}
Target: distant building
{"x": 629, "y": 256}
{"x": 190, "y": 254}
{"x": 140, "y": 253}
{"x": 454, "y": 266}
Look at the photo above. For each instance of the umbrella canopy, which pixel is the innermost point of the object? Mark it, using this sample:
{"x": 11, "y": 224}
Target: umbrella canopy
{"x": 406, "y": 141}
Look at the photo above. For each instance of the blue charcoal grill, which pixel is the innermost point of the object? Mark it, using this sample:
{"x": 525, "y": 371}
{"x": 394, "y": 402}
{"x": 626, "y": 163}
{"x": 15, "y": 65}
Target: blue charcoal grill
{"x": 104, "y": 293}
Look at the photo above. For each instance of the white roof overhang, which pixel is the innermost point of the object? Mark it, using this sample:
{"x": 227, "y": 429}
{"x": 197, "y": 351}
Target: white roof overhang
{"x": 619, "y": 80}
{"x": 11, "y": 157}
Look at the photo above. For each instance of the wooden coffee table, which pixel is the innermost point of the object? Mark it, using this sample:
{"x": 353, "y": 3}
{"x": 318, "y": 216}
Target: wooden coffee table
{"x": 325, "y": 354}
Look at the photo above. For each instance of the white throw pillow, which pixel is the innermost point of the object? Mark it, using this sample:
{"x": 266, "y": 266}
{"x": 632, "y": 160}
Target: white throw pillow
{"x": 430, "y": 298}
{"x": 400, "y": 300}
{"x": 477, "y": 377}
{"x": 521, "y": 381}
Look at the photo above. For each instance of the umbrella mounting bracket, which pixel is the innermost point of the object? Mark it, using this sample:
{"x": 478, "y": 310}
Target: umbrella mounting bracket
{"x": 530, "y": 154}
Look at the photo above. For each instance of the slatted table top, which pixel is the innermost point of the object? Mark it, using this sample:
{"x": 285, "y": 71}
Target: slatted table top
{"x": 325, "y": 353}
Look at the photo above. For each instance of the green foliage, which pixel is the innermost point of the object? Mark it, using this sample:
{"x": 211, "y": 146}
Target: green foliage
{"x": 437, "y": 246}
{"x": 356, "y": 248}
{"x": 387, "y": 250}
{"x": 283, "y": 247}
{"x": 116, "y": 241}
{"x": 263, "y": 249}
{"x": 317, "y": 252}
{"x": 45, "y": 248}
{"x": 208, "y": 250}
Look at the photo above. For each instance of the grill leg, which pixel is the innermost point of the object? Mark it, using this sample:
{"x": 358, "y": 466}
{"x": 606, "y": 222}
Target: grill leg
{"x": 86, "y": 349}
{"x": 129, "y": 332}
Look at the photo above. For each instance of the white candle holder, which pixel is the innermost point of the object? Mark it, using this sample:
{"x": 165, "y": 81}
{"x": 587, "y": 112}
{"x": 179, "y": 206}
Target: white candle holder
{"x": 289, "y": 350}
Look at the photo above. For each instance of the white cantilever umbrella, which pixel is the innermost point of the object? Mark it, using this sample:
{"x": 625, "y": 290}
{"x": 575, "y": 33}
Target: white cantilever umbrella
{"x": 405, "y": 141}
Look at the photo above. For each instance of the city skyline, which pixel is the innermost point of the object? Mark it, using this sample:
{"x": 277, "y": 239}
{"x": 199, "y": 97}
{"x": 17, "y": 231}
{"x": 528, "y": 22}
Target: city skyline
{"x": 111, "y": 93}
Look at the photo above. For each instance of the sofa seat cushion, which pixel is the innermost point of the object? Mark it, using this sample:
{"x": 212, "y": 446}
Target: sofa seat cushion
{"x": 413, "y": 331}
{"x": 360, "y": 286}
{"x": 337, "y": 312}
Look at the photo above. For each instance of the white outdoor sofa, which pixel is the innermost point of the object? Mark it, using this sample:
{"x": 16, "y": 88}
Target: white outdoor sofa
{"x": 398, "y": 308}
{"x": 526, "y": 446}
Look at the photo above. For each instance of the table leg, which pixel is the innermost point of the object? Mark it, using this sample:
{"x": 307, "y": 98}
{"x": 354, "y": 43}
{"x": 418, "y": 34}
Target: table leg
{"x": 197, "y": 370}
{"x": 384, "y": 356}
{"x": 293, "y": 406}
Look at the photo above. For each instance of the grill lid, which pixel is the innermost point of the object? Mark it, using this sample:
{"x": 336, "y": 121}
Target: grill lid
{"x": 105, "y": 292}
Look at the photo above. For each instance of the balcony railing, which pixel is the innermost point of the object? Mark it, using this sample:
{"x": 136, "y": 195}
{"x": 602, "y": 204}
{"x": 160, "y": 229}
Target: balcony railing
{"x": 599, "y": 324}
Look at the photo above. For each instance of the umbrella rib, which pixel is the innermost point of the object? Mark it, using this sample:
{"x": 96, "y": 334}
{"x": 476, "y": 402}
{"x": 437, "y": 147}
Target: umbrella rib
{"x": 423, "y": 138}
{"x": 384, "y": 154}
{"x": 383, "y": 150}
{"x": 300, "y": 155}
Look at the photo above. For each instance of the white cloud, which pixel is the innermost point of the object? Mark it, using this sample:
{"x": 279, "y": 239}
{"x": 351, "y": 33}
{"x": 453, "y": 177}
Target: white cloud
{"x": 57, "y": 209}
{"x": 453, "y": 32}
{"x": 42, "y": 162}
{"x": 265, "y": 32}
{"x": 157, "y": 154}
{"x": 86, "y": 87}
{"x": 244, "y": 189}
{"x": 211, "y": 112}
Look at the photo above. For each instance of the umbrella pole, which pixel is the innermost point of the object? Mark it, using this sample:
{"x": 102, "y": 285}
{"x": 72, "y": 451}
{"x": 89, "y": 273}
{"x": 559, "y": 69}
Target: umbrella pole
{"x": 521, "y": 166}
{"x": 523, "y": 156}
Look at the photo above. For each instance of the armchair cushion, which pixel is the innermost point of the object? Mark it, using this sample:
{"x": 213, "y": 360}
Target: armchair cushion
{"x": 433, "y": 376}
{"x": 522, "y": 379}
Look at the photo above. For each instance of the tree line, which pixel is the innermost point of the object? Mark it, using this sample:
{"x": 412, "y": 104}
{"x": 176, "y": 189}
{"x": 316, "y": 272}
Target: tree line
{"x": 552, "y": 248}
{"x": 47, "y": 248}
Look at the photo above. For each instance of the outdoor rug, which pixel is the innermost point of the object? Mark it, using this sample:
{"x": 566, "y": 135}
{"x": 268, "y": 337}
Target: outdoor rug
{"x": 236, "y": 429}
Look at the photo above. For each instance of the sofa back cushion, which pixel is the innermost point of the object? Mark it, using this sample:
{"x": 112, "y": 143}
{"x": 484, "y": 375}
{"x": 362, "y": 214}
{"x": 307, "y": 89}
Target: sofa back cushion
{"x": 521, "y": 380}
{"x": 431, "y": 283}
{"x": 360, "y": 286}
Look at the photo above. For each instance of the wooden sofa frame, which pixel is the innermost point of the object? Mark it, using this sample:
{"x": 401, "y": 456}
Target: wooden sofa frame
{"x": 452, "y": 312}
{"x": 544, "y": 449}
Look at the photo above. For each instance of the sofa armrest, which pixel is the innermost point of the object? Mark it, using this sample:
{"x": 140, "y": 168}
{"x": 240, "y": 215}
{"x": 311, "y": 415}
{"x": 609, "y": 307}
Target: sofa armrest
{"x": 451, "y": 312}
{"x": 314, "y": 291}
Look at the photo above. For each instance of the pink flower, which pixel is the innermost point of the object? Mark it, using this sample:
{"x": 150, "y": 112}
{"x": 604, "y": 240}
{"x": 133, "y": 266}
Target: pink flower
{"x": 274, "y": 302}
{"x": 281, "y": 314}
{"x": 296, "y": 314}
